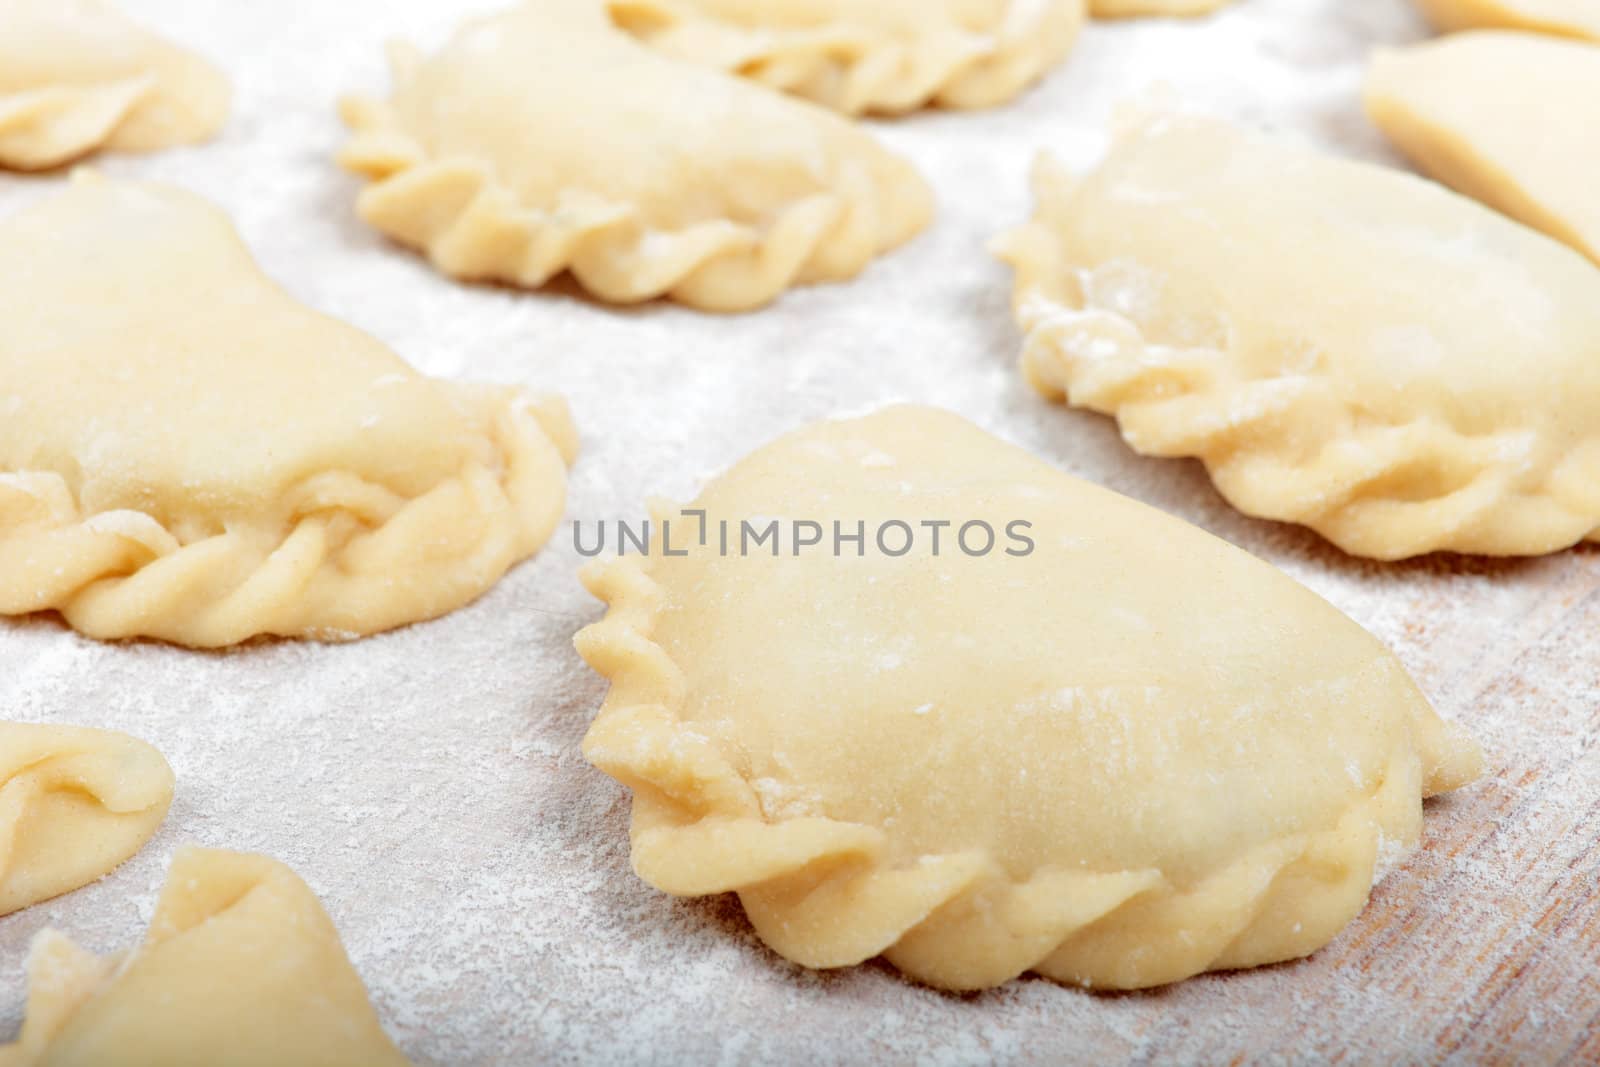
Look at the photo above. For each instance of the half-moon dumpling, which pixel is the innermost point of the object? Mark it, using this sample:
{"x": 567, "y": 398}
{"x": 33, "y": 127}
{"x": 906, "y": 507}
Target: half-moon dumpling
{"x": 1563, "y": 18}
{"x": 545, "y": 139}
{"x": 1512, "y": 119}
{"x": 241, "y": 968}
{"x": 855, "y": 56}
{"x": 189, "y": 454}
{"x": 74, "y": 804}
{"x": 1343, "y": 345}
{"x": 76, "y": 76}
{"x": 908, "y": 690}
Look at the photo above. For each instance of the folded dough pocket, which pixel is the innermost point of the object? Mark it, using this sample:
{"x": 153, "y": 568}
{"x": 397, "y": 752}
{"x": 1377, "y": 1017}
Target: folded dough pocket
{"x": 241, "y": 968}
{"x": 855, "y": 56}
{"x": 546, "y": 140}
{"x": 1116, "y": 751}
{"x": 189, "y": 454}
{"x": 1343, "y": 346}
{"x": 74, "y": 803}
{"x": 77, "y": 77}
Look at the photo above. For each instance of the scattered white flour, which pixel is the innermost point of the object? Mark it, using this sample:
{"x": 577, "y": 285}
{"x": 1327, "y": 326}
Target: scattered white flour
{"x": 428, "y": 783}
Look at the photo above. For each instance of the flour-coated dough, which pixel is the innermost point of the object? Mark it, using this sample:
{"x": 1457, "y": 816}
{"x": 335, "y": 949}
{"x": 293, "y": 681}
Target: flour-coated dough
{"x": 1132, "y": 755}
{"x": 1512, "y": 119}
{"x": 74, "y": 803}
{"x": 1563, "y": 18}
{"x": 76, "y": 76}
{"x": 241, "y": 967}
{"x": 187, "y": 453}
{"x": 1343, "y": 345}
{"x": 546, "y": 139}
{"x": 883, "y": 56}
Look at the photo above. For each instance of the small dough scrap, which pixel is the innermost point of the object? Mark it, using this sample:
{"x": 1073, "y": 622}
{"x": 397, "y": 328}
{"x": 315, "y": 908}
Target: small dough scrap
{"x": 858, "y": 56}
{"x": 1344, "y": 346}
{"x": 1512, "y": 119}
{"x": 187, "y": 453}
{"x": 1122, "y": 9}
{"x": 74, "y": 804}
{"x": 241, "y": 968}
{"x": 1562, "y": 18}
{"x": 1129, "y": 755}
{"x": 546, "y": 139}
{"x": 76, "y": 76}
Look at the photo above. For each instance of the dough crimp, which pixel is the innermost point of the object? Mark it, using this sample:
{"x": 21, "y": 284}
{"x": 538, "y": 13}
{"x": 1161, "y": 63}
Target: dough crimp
{"x": 77, "y": 76}
{"x": 860, "y": 56}
{"x": 968, "y": 803}
{"x": 1361, "y": 389}
{"x": 241, "y": 967}
{"x": 546, "y": 140}
{"x": 207, "y": 464}
{"x": 74, "y": 804}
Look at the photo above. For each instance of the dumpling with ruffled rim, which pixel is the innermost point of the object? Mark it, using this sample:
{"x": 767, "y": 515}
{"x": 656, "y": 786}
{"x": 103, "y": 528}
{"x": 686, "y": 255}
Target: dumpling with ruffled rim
{"x": 241, "y": 967}
{"x": 545, "y": 139}
{"x": 1343, "y": 345}
{"x": 74, "y": 804}
{"x": 76, "y": 76}
{"x": 984, "y": 718}
{"x": 856, "y": 56}
{"x": 188, "y": 453}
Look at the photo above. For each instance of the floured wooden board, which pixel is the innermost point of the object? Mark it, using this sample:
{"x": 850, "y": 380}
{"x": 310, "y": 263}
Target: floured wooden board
{"x": 427, "y": 783}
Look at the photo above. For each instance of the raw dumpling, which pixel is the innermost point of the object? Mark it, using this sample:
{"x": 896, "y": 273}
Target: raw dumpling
{"x": 1512, "y": 119}
{"x": 73, "y": 805}
{"x": 189, "y": 454}
{"x": 241, "y": 968}
{"x": 75, "y": 76}
{"x": 1063, "y": 732}
{"x": 1344, "y": 346}
{"x": 546, "y": 139}
{"x": 1564, "y": 18}
{"x": 1117, "y": 9}
{"x": 886, "y": 56}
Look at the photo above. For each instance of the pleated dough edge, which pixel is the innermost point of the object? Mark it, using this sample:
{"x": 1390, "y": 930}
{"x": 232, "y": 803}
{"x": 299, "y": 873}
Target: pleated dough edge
{"x": 1187, "y": 401}
{"x": 821, "y": 893}
{"x": 123, "y": 775}
{"x": 397, "y": 560}
{"x": 857, "y": 69}
{"x": 473, "y": 227}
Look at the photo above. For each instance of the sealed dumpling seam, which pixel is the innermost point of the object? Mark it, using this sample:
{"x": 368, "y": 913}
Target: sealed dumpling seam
{"x": 545, "y": 140}
{"x": 74, "y": 803}
{"x": 711, "y": 735}
{"x": 76, "y": 77}
{"x": 887, "y": 57}
{"x": 304, "y": 482}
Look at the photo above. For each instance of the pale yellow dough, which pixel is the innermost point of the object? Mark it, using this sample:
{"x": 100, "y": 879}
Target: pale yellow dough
{"x": 856, "y": 56}
{"x": 1345, "y": 346}
{"x": 1135, "y": 754}
{"x": 189, "y": 454}
{"x": 241, "y": 968}
{"x": 546, "y": 139}
{"x": 1512, "y": 119}
{"x": 74, "y": 804}
{"x": 1119, "y": 9}
{"x": 76, "y": 76}
{"x": 1564, "y": 18}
